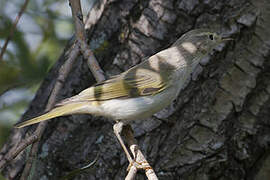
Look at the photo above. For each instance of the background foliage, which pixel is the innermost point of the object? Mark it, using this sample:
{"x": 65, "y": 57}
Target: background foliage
{"x": 37, "y": 42}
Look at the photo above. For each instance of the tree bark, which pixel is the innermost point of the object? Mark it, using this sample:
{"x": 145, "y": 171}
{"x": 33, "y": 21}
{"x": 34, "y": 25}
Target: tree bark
{"x": 219, "y": 126}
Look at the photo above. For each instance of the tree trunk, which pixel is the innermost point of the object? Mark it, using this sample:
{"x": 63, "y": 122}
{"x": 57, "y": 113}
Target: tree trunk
{"x": 218, "y": 128}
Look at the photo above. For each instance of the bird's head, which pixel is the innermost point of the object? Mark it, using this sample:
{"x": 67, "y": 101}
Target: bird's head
{"x": 200, "y": 41}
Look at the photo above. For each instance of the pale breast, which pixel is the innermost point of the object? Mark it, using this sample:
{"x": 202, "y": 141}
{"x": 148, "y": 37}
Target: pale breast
{"x": 138, "y": 108}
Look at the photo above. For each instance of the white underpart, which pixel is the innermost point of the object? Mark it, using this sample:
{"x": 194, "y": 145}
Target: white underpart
{"x": 138, "y": 108}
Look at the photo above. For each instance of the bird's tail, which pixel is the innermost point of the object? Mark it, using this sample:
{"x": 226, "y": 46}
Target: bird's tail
{"x": 67, "y": 109}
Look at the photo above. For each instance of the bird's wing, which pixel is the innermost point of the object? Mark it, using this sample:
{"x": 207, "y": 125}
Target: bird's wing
{"x": 141, "y": 82}
{"x": 133, "y": 83}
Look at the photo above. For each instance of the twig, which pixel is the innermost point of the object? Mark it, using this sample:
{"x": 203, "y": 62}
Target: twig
{"x": 137, "y": 154}
{"x": 63, "y": 72}
{"x": 131, "y": 173}
{"x": 16, "y": 150}
{"x": 81, "y": 37}
{"x": 13, "y": 28}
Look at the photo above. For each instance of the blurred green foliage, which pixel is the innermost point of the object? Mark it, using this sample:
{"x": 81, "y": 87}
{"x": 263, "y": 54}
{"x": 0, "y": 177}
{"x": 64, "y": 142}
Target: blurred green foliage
{"x": 1, "y": 177}
{"x": 36, "y": 44}
{"x": 38, "y": 40}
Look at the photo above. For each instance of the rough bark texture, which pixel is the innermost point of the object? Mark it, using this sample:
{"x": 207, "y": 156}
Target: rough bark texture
{"x": 218, "y": 128}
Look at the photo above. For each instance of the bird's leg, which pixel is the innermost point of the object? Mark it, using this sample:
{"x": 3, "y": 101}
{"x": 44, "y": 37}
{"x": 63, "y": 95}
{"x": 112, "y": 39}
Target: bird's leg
{"x": 117, "y": 128}
{"x": 142, "y": 164}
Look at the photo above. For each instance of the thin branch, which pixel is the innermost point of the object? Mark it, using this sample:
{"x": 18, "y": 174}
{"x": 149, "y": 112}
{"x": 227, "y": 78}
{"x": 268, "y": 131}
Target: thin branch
{"x": 81, "y": 37}
{"x": 13, "y": 28}
{"x": 131, "y": 173}
{"x": 16, "y": 150}
{"x": 138, "y": 155}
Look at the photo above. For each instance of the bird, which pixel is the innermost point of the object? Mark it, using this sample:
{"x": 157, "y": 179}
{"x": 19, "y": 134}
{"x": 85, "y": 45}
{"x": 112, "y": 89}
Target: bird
{"x": 144, "y": 89}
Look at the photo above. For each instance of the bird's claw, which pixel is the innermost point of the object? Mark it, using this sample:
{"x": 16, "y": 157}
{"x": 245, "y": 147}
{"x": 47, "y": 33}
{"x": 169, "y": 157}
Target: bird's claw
{"x": 139, "y": 165}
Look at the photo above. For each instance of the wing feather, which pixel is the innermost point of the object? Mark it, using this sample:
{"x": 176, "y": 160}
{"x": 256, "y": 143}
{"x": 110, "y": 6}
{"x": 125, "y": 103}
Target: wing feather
{"x": 133, "y": 83}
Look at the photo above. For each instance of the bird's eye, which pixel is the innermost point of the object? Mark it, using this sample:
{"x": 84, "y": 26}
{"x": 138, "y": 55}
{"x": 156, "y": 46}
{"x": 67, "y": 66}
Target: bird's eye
{"x": 211, "y": 37}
